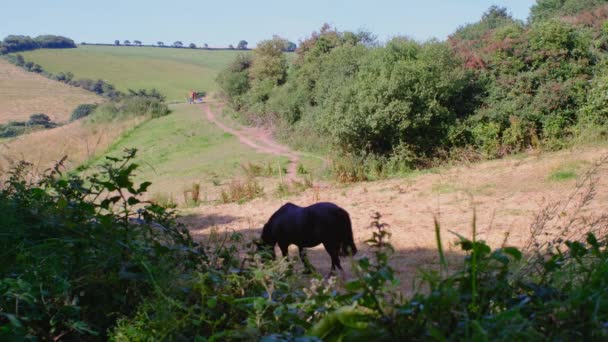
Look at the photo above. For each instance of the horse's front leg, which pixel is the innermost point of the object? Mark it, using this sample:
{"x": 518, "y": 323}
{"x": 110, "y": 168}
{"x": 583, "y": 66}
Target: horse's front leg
{"x": 308, "y": 267}
{"x": 284, "y": 250}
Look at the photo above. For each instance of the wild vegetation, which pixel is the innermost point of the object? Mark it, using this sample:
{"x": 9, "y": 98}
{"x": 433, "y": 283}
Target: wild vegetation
{"x": 15, "y": 43}
{"x": 495, "y": 87}
{"x": 24, "y": 93}
{"x": 87, "y": 259}
{"x": 36, "y": 122}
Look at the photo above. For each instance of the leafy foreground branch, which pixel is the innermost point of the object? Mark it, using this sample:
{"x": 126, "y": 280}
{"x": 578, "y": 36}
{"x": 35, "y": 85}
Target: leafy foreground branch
{"x": 84, "y": 259}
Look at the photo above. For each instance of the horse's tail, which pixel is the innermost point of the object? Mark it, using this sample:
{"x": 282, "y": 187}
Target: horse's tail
{"x": 348, "y": 244}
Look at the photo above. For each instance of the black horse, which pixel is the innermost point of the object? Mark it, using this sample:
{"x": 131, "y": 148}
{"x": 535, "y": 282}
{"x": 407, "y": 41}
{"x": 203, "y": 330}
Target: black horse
{"x": 310, "y": 226}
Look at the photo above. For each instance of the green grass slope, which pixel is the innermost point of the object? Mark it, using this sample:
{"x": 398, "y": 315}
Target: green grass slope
{"x": 183, "y": 148}
{"x": 172, "y": 71}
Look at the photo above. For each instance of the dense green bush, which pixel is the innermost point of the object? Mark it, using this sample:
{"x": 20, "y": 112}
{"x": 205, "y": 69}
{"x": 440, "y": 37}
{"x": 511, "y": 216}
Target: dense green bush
{"x": 99, "y": 87}
{"x": 497, "y": 86}
{"x": 133, "y": 106}
{"x": 82, "y": 111}
{"x": 36, "y": 122}
{"x": 72, "y": 256}
{"x": 54, "y": 42}
{"x": 16, "y": 43}
{"x": 149, "y": 106}
{"x": 546, "y": 9}
{"x": 234, "y": 80}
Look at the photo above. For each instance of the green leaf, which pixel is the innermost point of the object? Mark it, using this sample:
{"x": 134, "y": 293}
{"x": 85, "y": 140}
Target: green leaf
{"x": 592, "y": 240}
{"x": 512, "y": 251}
{"x": 143, "y": 187}
{"x": 13, "y": 319}
{"x": 212, "y": 302}
{"x": 436, "y": 334}
{"x": 132, "y": 201}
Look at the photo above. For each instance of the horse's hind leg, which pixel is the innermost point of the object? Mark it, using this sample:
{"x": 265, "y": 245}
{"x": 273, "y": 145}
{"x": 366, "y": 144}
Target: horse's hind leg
{"x": 334, "y": 253}
{"x": 308, "y": 267}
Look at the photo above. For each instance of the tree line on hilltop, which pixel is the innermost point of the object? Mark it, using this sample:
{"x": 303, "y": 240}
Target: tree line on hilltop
{"x": 16, "y": 43}
{"x": 242, "y": 45}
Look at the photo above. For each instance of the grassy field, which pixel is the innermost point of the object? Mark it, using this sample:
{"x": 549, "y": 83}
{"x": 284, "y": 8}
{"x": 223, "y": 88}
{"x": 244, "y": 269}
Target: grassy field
{"x": 24, "y": 93}
{"x": 183, "y": 148}
{"x": 172, "y": 71}
{"x": 174, "y": 152}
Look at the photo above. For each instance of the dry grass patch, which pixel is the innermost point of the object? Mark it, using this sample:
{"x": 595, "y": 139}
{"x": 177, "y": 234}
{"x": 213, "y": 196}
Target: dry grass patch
{"x": 78, "y": 141}
{"x": 506, "y": 194}
{"x": 241, "y": 191}
{"x": 24, "y": 93}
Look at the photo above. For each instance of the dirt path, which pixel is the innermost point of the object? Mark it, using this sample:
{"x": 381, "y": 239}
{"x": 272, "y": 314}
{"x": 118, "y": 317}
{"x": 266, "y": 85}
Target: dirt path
{"x": 259, "y": 139}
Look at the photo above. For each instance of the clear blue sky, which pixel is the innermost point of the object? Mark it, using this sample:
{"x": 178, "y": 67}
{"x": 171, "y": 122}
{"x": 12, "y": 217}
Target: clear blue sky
{"x": 220, "y": 23}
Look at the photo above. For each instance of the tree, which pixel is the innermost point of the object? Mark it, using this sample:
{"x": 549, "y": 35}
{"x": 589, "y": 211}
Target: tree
{"x": 291, "y": 47}
{"x": 206, "y": 45}
{"x": 242, "y": 45}
{"x": 192, "y": 46}
{"x": 14, "y": 43}
{"x": 269, "y": 62}
{"x": 117, "y": 42}
{"x": 178, "y": 44}
{"x": 545, "y": 9}
{"x": 234, "y": 80}
{"x": 137, "y": 42}
{"x": 49, "y": 41}
{"x": 231, "y": 47}
{"x": 127, "y": 42}
{"x": 40, "y": 119}
{"x": 161, "y": 44}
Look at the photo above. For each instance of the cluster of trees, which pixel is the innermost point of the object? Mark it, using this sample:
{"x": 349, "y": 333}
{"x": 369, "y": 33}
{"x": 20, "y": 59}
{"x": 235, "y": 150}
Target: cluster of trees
{"x": 176, "y": 44}
{"x": 494, "y": 87}
{"x": 36, "y": 122}
{"x": 99, "y": 86}
{"x": 14, "y": 43}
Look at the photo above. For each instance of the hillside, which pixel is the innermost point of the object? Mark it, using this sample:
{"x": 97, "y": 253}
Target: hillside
{"x": 181, "y": 149}
{"x": 172, "y": 71}
{"x": 506, "y": 196}
{"x": 24, "y": 93}
{"x": 77, "y": 140}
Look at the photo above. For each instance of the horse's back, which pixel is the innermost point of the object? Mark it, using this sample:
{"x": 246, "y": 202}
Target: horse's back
{"x": 330, "y": 214}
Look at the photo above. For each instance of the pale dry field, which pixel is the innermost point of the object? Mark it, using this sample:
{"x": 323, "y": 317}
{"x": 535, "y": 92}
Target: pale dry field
{"x": 24, "y": 93}
{"x": 506, "y": 195}
{"x": 78, "y": 141}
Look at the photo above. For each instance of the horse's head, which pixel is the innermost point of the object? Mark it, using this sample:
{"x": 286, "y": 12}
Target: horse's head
{"x": 267, "y": 241}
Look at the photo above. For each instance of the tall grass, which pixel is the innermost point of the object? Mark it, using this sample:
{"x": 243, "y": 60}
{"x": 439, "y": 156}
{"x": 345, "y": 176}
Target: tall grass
{"x": 241, "y": 191}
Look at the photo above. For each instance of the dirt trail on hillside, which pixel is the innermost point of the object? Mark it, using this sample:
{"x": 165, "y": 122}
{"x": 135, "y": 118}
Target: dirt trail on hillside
{"x": 257, "y": 138}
